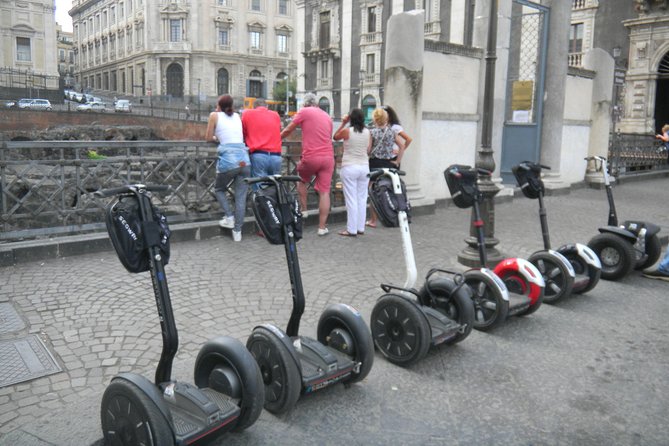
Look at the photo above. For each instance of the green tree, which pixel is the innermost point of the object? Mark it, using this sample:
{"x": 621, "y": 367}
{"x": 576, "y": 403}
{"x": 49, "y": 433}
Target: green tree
{"x": 279, "y": 92}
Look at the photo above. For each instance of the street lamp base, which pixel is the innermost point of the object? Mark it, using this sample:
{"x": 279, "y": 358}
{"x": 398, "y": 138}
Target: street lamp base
{"x": 469, "y": 256}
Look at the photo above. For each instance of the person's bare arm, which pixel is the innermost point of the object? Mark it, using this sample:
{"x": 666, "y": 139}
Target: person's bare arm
{"x": 342, "y": 131}
{"x": 407, "y": 139}
{"x": 211, "y": 125}
{"x": 400, "y": 144}
{"x": 288, "y": 130}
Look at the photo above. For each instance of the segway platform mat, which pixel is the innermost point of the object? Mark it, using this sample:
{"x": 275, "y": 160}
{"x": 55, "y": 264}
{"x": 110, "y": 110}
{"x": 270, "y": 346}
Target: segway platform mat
{"x": 187, "y": 424}
{"x": 518, "y": 303}
{"x": 442, "y": 327}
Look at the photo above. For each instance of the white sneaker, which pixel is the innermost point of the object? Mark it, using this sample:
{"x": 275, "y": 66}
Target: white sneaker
{"x": 227, "y": 222}
{"x": 237, "y": 236}
{"x": 305, "y": 214}
{"x": 323, "y": 231}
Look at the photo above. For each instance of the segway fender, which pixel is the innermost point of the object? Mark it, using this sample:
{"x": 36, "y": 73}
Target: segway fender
{"x": 583, "y": 252}
{"x": 635, "y": 226}
{"x": 153, "y": 392}
{"x": 529, "y": 272}
{"x": 500, "y": 284}
{"x": 621, "y": 232}
{"x": 285, "y": 340}
{"x": 565, "y": 262}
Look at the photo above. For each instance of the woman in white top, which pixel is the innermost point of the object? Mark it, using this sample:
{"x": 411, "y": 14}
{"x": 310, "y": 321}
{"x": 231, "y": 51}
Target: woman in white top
{"x": 225, "y": 128}
{"x": 354, "y": 169}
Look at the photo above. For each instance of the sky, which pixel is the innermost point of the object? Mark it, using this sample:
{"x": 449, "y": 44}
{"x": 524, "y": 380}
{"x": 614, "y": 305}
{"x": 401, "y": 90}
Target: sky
{"x": 62, "y": 6}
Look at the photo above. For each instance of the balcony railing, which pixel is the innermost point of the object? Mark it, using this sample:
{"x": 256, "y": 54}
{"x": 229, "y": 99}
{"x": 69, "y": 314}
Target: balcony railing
{"x": 368, "y": 38}
{"x": 432, "y": 28}
{"x": 372, "y": 78}
{"x": 256, "y": 51}
{"x": 575, "y": 59}
{"x": 324, "y": 82}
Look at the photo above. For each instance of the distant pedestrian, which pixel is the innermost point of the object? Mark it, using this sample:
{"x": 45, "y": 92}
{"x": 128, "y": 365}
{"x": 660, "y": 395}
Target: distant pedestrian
{"x": 262, "y": 135}
{"x": 354, "y": 169}
{"x": 225, "y": 128}
{"x": 381, "y": 155}
{"x": 317, "y": 156}
{"x": 187, "y": 112}
{"x": 395, "y": 124}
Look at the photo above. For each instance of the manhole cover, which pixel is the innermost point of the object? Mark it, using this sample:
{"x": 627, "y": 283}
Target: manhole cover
{"x": 10, "y": 321}
{"x": 25, "y": 359}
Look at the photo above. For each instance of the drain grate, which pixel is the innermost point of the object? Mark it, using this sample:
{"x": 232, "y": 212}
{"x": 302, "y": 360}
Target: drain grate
{"x": 10, "y": 321}
{"x": 25, "y": 359}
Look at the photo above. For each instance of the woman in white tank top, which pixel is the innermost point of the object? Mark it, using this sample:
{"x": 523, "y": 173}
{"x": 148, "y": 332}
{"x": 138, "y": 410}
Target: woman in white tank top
{"x": 354, "y": 170}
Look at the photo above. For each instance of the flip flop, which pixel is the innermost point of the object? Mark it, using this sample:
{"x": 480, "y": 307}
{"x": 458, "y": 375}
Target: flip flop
{"x": 347, "y": 234}
{"x": 370, "y": 224}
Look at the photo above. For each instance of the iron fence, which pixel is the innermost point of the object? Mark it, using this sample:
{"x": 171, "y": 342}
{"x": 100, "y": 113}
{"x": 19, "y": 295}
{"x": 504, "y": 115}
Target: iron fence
{"x": 46, "y": 186}
{"x": 631, "y": 154}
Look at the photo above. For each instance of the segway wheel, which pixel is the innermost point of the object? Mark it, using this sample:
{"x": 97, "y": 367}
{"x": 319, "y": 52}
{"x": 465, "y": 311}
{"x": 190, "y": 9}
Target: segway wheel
{"x": 615, "y": 253}
{"x": 581, "y": 267}
{"x": 457, "y": 306}
{"x": 342, "y": 328}
{"x": 400, "y": 330}
{"x": 282, "y": 379}
{"x": 653, "y": 251}
{"x": 129, "y": 417}
{"x": 226, "y": 366}
{"x": 490, "y": 307}
{"x": 559, "y": 282}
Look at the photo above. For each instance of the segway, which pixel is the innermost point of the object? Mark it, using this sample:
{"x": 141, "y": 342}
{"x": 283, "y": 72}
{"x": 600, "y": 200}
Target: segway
{"x": 291, "y": 364}
{"x": 514, "y": 287}
{"x": 573, "y": 268}
{"x": 622, "y": 248}
{"x": 228, "y": 391}
{"x": 406, "y": 322}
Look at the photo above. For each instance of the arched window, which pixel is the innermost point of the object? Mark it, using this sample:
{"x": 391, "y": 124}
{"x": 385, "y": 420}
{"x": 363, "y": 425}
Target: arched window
{"x": 368, "y": 106}
{"x": 324, "y": 104}
{"x": 255, "y": 84}
{"x": 223, "y": 81}
{"x": 175, "y": 80}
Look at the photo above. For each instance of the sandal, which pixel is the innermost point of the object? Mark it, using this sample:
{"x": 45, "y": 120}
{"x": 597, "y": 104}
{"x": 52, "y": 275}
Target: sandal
{"x": 361, "y": 232}
{"x": 347, "y": 234}
{"x": 370, "y": 224}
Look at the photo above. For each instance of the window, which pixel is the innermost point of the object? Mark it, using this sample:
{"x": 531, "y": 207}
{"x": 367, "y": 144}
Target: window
{"x": 255, "y": 84}
{"x": 370, "y": 64}
{"x": 223, "y": 37}
{"x": 282, "y": 43}
{"x": 255, "y": 5}
{"x": 61, "y": 55}
{"x": 222, "y": 81}
{"x": 71, "y": 54}
{"x": 120, "y": 11}
{"x": 428, "y": 10}
{"x": 576, "y": 38}
{"x": 254, "y": 40}
{"x": 104, "y": 20}
{"x": 97, "y": 23}
{"x": 283, "y": 7}
{"x": 175, "y": 30}
{"x": 324, "y": 30}
{"x": 112, "y": 15}
{"x": 23, "y": 49}
{"x": 371, "y": 19}
{"x": 224, "y": 3}
{"x": 324, "y": 68}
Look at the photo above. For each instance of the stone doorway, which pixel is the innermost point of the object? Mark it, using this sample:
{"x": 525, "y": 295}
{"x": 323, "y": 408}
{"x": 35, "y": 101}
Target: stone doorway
{"x": 662, "y": 94}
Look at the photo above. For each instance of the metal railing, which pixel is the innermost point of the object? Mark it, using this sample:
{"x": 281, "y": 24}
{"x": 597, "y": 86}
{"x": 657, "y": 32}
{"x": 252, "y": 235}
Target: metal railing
{"x": 45, "y": 186}
{"x": 631, "y": 154}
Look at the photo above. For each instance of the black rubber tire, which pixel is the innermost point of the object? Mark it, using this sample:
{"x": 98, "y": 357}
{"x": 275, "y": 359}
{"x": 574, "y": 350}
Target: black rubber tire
{"x": 229, "y": 352}
{"x": 129, "y": 417}
{"x": 457, "y": 306}
{"x": 400, "y": 330}
{"x": 581, "y": 267}
{"x": 557, "y": 277}
{"x": 490, "y": 308}
{"x": 615, "y": 253}
{"x": 280, "y": 375}
{"x": 344, "y": 317}
{"x": 653, "y": 251}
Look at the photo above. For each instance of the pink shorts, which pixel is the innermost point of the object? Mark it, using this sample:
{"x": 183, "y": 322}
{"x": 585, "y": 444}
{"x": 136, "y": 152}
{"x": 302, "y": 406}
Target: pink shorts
{"x": 321, "y": 167}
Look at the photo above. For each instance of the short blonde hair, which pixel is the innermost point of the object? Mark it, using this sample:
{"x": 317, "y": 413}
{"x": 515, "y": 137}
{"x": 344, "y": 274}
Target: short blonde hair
{"x": 665, "y": 128}
{"x": 380, "y": 117}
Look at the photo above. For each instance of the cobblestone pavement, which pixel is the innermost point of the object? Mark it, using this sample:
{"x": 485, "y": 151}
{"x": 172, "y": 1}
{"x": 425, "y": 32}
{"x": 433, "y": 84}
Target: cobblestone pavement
{"x": 589, "y": 370}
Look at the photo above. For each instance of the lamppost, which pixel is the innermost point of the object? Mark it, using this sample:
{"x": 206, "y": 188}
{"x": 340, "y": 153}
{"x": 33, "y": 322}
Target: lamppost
{"x": 362, "y": 77}
{"x": 198, "y": 98}
{"x": 150, "y": 97}
{"x": 470, "y": 255}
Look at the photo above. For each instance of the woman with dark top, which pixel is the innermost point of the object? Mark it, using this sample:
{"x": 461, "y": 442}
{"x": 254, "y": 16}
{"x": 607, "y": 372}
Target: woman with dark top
{"x": 395, "y": 124}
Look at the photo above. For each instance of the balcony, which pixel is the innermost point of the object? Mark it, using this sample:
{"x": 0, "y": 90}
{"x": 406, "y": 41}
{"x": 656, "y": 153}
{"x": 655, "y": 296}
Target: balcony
{"x": 583, "y": 4}
{"x": 182, "y": 46}
{"x": 256, "y": 51}
{"x": 432, "y": 29}
{"x": 372, "y": 78}
{"x": 283, "y": 54}
{"x": 370, "y": 38}
{"x": 575, "y": 59}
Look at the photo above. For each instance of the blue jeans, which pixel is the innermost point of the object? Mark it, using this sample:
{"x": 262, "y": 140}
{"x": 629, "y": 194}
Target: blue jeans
{"x": 263, "y": 164}
{"x": 663, "y": 267}
{"x": 240, "y": 188}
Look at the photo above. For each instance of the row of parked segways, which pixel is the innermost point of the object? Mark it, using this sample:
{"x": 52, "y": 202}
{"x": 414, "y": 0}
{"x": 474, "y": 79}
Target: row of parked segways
{"x": 233, "y": 382}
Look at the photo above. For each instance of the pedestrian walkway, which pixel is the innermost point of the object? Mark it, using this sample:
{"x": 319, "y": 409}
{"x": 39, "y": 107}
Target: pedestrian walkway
{"x": 590, "y": 370}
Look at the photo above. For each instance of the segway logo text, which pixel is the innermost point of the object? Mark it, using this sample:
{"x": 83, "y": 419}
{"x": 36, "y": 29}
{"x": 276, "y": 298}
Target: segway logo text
{"x": 127, "y": 228}
{"x": 273, "y": 212}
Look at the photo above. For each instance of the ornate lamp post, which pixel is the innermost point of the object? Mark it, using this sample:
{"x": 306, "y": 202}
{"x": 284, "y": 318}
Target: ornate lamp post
{"x": 470, "y": 255}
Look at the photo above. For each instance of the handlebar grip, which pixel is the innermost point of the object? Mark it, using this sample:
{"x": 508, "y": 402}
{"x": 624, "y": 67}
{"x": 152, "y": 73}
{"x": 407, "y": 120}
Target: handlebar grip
{"x": 375, "y": 174}
{"x": 103, "y": 193}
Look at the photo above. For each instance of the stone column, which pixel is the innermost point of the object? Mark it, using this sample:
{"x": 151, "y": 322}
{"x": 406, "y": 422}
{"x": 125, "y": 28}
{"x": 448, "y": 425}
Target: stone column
{"x": 603, "y": 64}
{"x": 344, "y": 97}
{"x": 554, "y": 91}
{"x": 300, "y": 39}
{"x": 403, "y": 90}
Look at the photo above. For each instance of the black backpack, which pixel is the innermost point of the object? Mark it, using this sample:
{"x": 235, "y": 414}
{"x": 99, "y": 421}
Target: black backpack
{"x": 267, "y": 211}
{"x": 528, "y": 176}
{"x": 461, "y": 181}
{"x": 386, "y": 203}
{"x": 131, "y": 237}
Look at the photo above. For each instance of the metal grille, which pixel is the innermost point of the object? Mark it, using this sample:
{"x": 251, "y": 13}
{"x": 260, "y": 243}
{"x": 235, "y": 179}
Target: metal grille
{"x": 25, "y": 359}
{"x": 633, "y": 154}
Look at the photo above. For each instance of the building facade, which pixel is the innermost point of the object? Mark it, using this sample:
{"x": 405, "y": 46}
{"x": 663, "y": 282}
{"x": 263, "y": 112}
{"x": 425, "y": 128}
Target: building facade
{"x": 28, "y": 48}
{"x": 66, "y": 65}
{"x": 184, "y": 50}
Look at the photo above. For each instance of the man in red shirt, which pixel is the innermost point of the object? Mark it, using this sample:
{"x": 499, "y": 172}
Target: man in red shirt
{"x": 317, "y": 155}
{"x": 262, "y": 135}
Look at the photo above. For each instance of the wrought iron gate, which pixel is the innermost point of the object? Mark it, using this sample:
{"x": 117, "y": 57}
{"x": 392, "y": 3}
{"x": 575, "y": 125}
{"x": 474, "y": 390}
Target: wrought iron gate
{"x": 521, "y": 137}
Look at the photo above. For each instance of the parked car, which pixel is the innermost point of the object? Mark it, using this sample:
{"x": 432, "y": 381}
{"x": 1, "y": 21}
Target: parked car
{"x": 123, "y": 105}
{"x": 10, "y": 104}
{"x": 24, "y": 103}
{"x": 78, "y": 97}
{"x": 40, "y": 104}
{"x": 92, "y": 107}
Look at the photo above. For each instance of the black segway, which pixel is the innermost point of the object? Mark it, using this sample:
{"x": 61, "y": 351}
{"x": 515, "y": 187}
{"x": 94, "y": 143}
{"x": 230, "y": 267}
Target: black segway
{"x": 406, "y": 322}
{"x": 229, "y": 392}
{"x": 514, "y": 287}
{"x": 292, "y": 364}
{"x": 573, "y": 268}
{"x": 622, "y": 248}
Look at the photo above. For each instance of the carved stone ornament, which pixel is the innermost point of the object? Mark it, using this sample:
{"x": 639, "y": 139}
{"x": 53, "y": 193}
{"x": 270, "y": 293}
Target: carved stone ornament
{"x": 649, "y": 6}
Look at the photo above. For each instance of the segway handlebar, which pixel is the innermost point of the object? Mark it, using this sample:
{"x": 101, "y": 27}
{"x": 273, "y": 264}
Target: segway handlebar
{"x": 378, "y": 172}
{"x": 102, "y": 193}
{"x": 272, "y": 179}
{"x": 525, "y": 165}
